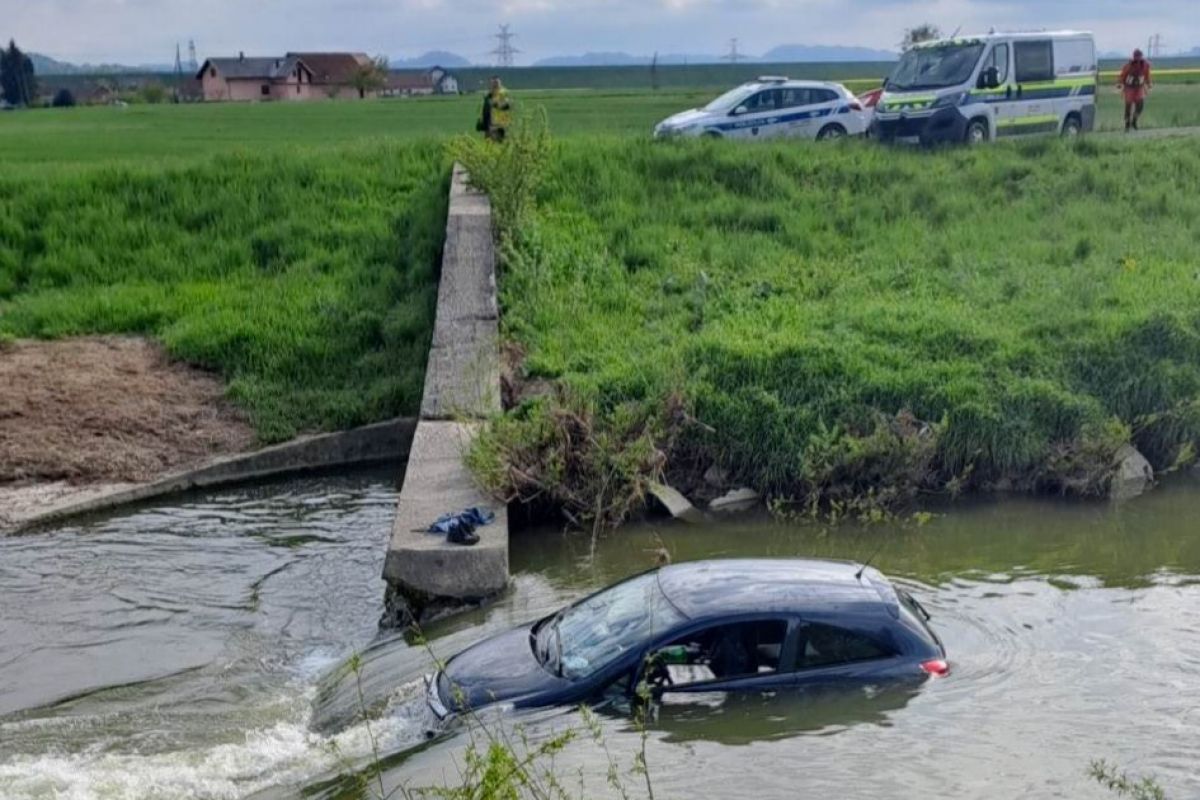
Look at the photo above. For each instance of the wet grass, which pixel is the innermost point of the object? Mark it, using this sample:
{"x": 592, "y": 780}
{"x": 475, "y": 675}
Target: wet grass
{"x": 307, "y": 280}
{"x": 861, "y": 317}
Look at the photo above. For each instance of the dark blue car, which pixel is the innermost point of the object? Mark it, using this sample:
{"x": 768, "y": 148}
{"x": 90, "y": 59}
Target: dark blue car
{"x": 737, "y": 625}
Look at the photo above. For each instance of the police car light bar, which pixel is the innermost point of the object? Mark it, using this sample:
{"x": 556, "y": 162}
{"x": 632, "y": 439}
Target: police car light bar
{"x": 772, "y": 78}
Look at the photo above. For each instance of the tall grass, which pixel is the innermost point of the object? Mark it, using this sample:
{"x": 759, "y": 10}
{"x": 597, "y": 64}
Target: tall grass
{"x": 843, "y": 320}
{"x": 307, "y": 279}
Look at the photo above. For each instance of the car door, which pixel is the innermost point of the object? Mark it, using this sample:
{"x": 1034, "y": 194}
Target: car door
{"x": 757, "y": 117}
{"x": 1033, "y": 69}
{"x": 702, "y": 664}
{"x": 795, "y": 113}
{"x": 827, "y": 653}
{"x": 1000, "y": 95}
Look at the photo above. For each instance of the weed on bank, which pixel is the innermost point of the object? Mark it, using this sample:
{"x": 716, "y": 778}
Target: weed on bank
{"x": 849, "y": 326}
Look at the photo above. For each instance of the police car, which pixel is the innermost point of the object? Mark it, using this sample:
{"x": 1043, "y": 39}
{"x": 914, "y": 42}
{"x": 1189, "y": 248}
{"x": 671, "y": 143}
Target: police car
{"x": 774, "y": 107}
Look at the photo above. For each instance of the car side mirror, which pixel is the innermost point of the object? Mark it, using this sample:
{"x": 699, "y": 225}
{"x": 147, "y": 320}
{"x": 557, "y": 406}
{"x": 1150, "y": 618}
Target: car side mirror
{"x": 737, "y": 112}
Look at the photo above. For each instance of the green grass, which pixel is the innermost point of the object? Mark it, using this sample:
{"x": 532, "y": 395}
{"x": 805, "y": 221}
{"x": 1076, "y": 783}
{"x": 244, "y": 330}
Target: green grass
{"x": 64, "y": 139}
{"x": 307, "y": 279}
{"x": 1037, "y": 303}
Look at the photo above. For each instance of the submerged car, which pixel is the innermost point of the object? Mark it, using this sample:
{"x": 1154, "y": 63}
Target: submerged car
{"x": 773, "y": 107}
{"x": 738, "y": 625}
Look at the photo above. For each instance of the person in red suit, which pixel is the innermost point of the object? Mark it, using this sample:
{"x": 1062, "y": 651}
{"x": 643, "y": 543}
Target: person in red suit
{"x": 1135, "y": 82}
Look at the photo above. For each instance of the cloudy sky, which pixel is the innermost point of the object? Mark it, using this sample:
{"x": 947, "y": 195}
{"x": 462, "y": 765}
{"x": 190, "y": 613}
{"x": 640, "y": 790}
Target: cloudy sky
{"x": 146, "y": 30}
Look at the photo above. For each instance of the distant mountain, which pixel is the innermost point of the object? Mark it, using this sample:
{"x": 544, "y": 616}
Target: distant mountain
{"x": 808, "y": 54}
{"x": 45, "y": 65}
{"x": 788, "y": 53}
{"x": 434, "y": 58}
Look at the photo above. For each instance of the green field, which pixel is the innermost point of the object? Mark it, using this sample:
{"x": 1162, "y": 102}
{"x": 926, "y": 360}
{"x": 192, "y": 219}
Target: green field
{"x": 308, "y": 280}
{"x": 784, "y": 292}
{"x": 855, "y": 321}
{"x": 144, "y": 135}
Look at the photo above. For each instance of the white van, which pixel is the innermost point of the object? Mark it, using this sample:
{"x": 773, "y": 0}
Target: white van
{"x": 979, "y": 88}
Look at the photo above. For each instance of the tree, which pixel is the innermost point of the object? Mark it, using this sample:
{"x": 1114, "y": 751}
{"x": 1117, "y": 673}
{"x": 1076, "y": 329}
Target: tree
{"x": 370, "y": 77}
{"x": 922, "y": 33}
{"x": 63, "y": 99}
{"x": 153, "y": 93}
{"x": 17, "y": 81}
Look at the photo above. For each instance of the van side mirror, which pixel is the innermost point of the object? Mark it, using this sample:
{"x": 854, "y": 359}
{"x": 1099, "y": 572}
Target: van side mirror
{"x": 989, "y": 78}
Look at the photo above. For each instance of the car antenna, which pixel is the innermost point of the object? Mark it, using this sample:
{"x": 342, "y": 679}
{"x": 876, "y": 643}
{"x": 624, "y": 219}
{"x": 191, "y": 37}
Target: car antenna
{"x": 863, "y": 568}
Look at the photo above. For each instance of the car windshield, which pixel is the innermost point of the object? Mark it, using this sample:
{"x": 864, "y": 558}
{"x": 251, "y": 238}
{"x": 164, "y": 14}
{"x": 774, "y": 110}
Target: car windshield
{"x": 730, "y": 100}
{"x": 586, "y": 637}
{"x": 935, "y": 66}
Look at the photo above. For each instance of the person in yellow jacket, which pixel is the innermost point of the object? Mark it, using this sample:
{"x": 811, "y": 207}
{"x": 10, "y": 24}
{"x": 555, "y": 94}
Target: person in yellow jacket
{"x": 497, "y": 112}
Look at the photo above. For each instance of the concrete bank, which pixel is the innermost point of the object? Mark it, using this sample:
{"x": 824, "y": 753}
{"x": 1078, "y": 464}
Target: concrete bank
{"x": 425, "y": 575}
{"x": 381, "y": 442}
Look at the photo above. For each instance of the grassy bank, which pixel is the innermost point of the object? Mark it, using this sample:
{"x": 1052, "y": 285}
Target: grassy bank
{"x": 307, "y": 279}
{"x": 67, "y": 139}
{"x": 833, "y": 324}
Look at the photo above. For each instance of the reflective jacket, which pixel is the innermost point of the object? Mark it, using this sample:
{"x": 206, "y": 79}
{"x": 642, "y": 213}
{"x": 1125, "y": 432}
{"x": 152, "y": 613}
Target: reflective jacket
{"x": 497, "y": 110}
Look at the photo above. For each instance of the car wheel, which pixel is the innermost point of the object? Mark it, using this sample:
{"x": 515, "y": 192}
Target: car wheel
{"x": 831, "y": 132}
{"x": 710, "y": 135}
{"x": 1072, "y": 127}
{"x": 977, "y": 132}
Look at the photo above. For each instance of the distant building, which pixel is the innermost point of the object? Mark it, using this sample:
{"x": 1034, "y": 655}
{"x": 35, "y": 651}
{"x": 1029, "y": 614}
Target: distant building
{"x": 334, "y": 74}
{"x": 253, "y": 79}
{"x": 431, "y": 81}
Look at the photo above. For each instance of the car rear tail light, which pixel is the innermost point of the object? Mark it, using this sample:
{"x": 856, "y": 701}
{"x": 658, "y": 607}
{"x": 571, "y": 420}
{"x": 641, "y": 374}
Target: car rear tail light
{"x": 856, "y": 106}
{"x": 938, "y": 668}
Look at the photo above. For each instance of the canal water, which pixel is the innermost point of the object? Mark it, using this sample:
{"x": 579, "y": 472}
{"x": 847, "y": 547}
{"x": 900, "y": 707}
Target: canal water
{"x": 200, "y": 649}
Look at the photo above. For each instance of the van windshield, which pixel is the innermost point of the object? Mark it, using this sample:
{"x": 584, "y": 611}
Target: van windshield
{"x": 730, "y": 100}
{"x": 935, "y": 66}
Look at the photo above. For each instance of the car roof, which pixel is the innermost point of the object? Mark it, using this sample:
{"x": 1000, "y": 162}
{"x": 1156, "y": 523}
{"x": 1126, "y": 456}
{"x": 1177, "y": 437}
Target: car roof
{"x": 704, "y": 589}
{"x": 1003, "y": 36}
{"x": 766, "y": 82}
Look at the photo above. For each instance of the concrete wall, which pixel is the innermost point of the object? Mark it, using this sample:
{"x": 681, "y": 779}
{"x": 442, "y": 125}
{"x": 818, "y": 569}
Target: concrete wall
{"x": 381, "y": 442}
{"x": 426, "y": 575}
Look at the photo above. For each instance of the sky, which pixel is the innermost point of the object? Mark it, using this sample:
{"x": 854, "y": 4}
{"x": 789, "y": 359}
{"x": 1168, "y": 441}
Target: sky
{"x": 145, "y": 31}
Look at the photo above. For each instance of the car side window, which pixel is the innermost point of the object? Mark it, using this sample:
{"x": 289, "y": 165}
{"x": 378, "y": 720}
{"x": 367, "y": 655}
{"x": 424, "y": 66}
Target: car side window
{"x": 997, "y": 59}
{"x": 794, "y": 98}
{"x": 719, "y": 653}
{"x": 1035, "y": 61}
{"x": 827, "y": 645}
{"x": 825, "y": 96}
{"x": 767, "y": 100}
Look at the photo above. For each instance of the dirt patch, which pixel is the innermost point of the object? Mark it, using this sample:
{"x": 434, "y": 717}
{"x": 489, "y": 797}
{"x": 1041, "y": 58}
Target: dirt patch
{"x": 108, "y": 409}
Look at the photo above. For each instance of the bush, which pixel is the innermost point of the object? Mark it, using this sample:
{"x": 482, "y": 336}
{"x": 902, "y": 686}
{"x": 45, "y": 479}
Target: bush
{"x": 63, "y": 99}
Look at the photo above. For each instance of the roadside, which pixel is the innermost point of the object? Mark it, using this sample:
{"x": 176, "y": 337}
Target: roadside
{"x": 90, "y": 413}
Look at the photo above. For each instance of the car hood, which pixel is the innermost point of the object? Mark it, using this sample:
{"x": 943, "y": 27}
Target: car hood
{"x": 502, "y": 668}
{"x": 685, "y": 118}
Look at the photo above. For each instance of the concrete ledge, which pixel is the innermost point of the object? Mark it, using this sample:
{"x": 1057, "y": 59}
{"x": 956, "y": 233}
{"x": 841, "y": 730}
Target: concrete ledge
{"x": 424, "y": 566}
{"x": 383, "y": 441}
{"x": 426, "y": 576}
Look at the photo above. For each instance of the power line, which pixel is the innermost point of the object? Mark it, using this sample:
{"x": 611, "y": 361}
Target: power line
{"x": 505, "y": 51}
{"x": 733, "y": 56}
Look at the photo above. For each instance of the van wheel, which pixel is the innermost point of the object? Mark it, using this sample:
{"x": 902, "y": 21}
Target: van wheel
{"x": 829, "y": 132}
{"x": 1072, "y": 127}
{"x": 977, "y": 132}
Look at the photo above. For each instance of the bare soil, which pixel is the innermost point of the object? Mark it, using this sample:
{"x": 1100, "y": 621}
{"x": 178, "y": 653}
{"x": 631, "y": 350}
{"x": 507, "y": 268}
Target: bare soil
{"x": 106, "y": 410}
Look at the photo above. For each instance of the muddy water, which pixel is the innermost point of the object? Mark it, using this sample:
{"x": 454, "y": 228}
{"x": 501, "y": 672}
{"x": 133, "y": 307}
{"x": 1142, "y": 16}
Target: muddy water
{"x": 198, "y": 650}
